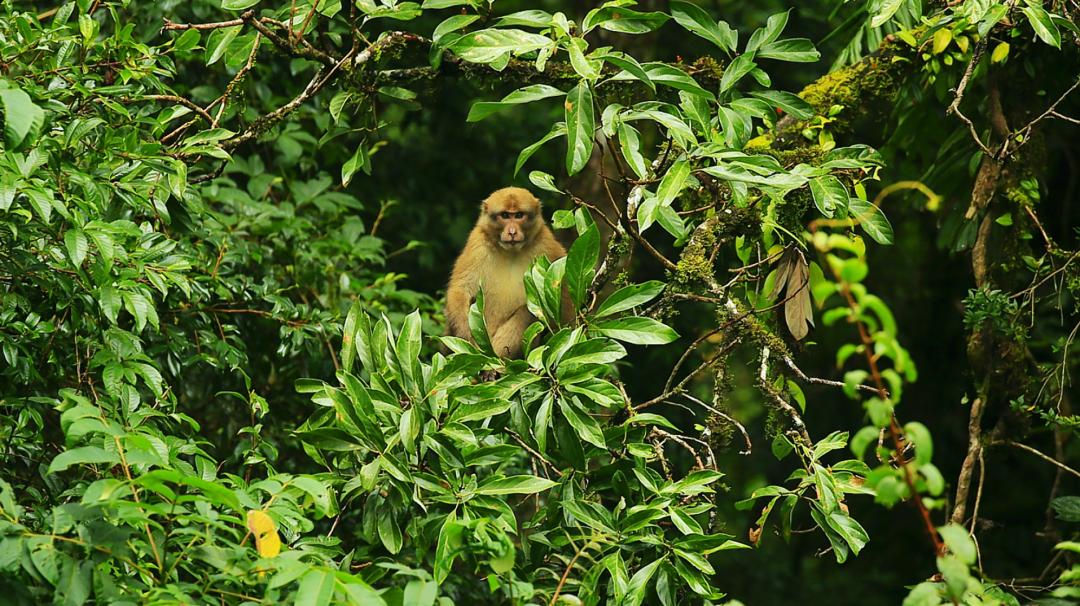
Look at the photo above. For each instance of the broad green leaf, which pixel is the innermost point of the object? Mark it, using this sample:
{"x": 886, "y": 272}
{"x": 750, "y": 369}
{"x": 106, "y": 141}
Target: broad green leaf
{"x": 493, "y": 45}
{"x": 593, "y": 351}
{"x": 768, "y": 34}
{"x": 623, "y": 20}
{"x": 959, "y": 542}
{"x": 792, "y": 50}
{"x": 885, "y": 12}
{"x": 672, "y": 77}
{"x": 526, "y": 94}
{"x": 739, "y": 67}
{"x": 639, "y": 583}
{"x": 639, "y": 331}
{"x": 629, "y": 297}
{"x": 557, "y": 130}
{"x": 589, "y": 69}
{"x": 630, "y": 144}
{"x": 673, "y": 182}
{"x": 316, "y": 588}
{"x": 584, "y": 425}
{"x": 452, "y": 24}
{"x": 580, "y": 124}
{"x": 77, "y": 246}
{"x": 237, "y": 5}
{"x": 695, "y": 20}
{"x": 628, "y": 64}
{"x": 521, "y": 484}
{"x": 581, "y": 263}
{"x": 219, "y": 41}
{"x": 84, "y": 455}
{"x": 21, "y": 116}
{"x": 791, "y": 104}
{"x": 1043, "y": 25}
{"x": 358, "y": 161}
{"x": 830, "y": 195}
{"x": 544, "y": 181}
{"x": 871, "y": 219}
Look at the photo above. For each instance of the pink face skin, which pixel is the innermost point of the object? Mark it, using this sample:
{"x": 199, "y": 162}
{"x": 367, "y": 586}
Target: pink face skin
{"x": 510, "y": 217}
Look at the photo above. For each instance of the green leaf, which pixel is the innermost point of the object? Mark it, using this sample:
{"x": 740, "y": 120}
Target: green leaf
{"x": 477, "y": 325}
{"x": 77, "y": 246}
{"x": 696, "y": 21}
{"x": 593, "y": 351}
{"x": 739, "y": 67}
{"x": 639, "y": 331}
{"x": 219, "y": 41}
{"x": 673, "y": 182}
{"x": 581, "y": 263}
{"x": 623, "y": 20}
{"x": 21, "y": 116}
{"x": 544, "y": 181}
{"x": 493, "y": 45}
{"x": 959, "y": 542}
{"x": 452, "y": 24}
{"x": 872, "y": 220}
{"x": 481, "y": 410}
{"x": 885, "y": 12}
{"x": 628, "y": 64}
{"x": 316, "y": 588}
{"x": 584, "y": 425}
{"x": 580, "y": 124}
{"x": 521, "y": 484}
{"x": 557, "y": 130}
{"x": 791, "y": 104}
{"x": 588, "y": 69}
{"x": 526, "y": 94}
{"x": 772, "y": 30}
{"x": 639, "y": 583}
{"x": 358, "y": 161}
{"x": 672, "y": 77}
{"x": 829, "y": 194}
{"x": 792, "y": 50}
{"x": 84, "y": 455}
{"x": 237, "y": 5}
{"x": 629, "y": 297}
{"x": 1044, "y": 27}
{"x": 630, "y": 144}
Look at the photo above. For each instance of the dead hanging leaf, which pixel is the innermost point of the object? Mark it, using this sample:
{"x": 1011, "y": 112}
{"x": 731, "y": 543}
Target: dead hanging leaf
{"x": 755, "y": 535}
{"x": 262, "y": 527}
{"x": 793, "y": 277}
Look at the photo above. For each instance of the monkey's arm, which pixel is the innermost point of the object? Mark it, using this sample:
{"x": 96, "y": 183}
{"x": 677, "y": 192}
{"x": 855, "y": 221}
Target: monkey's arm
{"x": 507, "y": 339}
{"x": 459, "y": 295}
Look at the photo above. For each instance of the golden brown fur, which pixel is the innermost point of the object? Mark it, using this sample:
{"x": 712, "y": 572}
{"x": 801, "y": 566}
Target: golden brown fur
{"x": 509, "y": 234}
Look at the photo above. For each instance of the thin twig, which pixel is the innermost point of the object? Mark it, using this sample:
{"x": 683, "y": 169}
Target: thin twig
{"x": 1042, "y": 456}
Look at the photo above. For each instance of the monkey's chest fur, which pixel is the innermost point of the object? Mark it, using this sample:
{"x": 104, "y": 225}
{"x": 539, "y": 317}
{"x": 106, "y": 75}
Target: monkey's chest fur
{"x": 504, "y": 289}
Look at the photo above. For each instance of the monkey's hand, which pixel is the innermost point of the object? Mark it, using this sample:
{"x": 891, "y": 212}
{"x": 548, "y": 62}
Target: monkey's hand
{"x": 507, "y": 339}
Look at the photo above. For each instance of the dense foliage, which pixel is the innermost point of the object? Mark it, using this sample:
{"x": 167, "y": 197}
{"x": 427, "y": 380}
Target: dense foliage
{"x": 225, "y": 226}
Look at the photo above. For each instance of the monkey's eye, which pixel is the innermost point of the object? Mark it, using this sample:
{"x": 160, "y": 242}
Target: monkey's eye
{"x": 519, "y": 215}
{"x": 504, "y": 215}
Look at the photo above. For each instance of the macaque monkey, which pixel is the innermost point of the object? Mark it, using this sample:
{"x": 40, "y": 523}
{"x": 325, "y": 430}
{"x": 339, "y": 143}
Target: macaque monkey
{"x": 509, "y": 234}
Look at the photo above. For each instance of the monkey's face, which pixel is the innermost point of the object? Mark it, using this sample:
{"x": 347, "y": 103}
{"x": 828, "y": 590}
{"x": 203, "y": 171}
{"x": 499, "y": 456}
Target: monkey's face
{"x": 511, "y": 217}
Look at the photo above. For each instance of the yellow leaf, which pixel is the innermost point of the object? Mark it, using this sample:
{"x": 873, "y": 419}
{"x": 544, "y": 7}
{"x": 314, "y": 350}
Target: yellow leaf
{"x": 942, "y": 38}
{"x": 267, "y": 542}
{"x": 962, "y": 42}
{"x": 1001, "y": 51}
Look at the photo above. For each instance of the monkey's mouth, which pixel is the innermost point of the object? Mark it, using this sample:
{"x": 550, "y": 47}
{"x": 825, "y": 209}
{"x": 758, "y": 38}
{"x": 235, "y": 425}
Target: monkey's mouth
{"x": 512, "y": 244}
